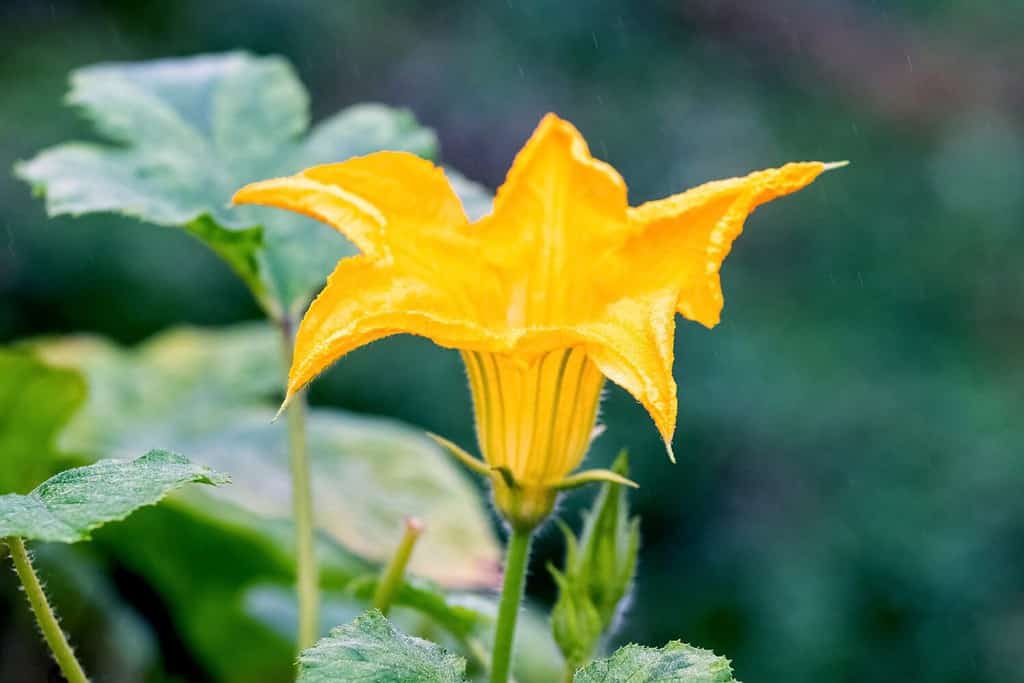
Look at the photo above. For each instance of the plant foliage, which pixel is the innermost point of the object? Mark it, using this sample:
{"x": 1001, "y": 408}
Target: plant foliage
{"x": 67, "y": 507}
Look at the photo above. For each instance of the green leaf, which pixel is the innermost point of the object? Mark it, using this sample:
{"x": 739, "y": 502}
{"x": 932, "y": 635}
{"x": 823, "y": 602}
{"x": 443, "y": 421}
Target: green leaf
{"x": 217, "y": 390}
{"x": 68, "y": 506}
{"x": 36, "y": 400}
{"x": 535, "y": 660}
{"x": 371, "y": 649}
{"x": 212, "y": 394}
{"x": 677, "y": 662}
{"x": 190, "y": 132}
{"x": 598, "y": 573}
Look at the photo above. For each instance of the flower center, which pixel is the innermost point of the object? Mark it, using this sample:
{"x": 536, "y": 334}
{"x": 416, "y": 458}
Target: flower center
{"x": 535, "y": 413}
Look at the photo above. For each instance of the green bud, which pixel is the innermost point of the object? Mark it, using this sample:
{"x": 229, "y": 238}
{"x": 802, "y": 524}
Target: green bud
{"x": 598, "y": 572}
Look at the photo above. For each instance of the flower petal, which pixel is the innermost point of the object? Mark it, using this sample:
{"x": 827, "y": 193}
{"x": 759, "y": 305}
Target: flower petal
{"x": 384, "y": 202}
{"x": 633, "y": 346}
{"x": 682, "y": 240}
{"x": 365, "y": 301}
{"x": 557, "y": 210}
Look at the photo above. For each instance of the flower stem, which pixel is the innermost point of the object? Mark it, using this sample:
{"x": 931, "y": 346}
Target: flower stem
{"x": 45, "y": 617}
{"x": 308, "y": 580}
{"x": 391, "y": 579}
{"x": 517, "y": 554}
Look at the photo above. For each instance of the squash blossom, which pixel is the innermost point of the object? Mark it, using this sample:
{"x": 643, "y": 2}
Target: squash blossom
{"x": 562, "y": 285}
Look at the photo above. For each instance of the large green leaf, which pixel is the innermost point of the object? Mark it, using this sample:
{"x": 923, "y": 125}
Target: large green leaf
{"x": 216, "y": 391}
{"x": 188, "y": 133}
{"x": 35, "y": 402}
{"x": 677, "y": 662}
{"x": 68, "y": 506}
{"x": 371, "y": 649}
{"x": 468, "y": 620}
{"x": 211, "y": 394}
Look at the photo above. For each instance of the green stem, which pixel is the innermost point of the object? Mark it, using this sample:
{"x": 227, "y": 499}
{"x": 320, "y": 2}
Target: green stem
{"x": 308, "y": 580}
{"x": 392, "y": 576}
{"x": 518, "y": 553}
{"x": 45, "y": 617}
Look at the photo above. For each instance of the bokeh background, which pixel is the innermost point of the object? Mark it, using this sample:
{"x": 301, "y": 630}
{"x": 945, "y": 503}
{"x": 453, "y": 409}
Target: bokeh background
{"x": 847, "y": 504}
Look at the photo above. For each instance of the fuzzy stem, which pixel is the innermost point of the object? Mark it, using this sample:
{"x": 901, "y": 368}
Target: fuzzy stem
{"x": 45, "y": 617}
{"x": 308, "y": 579}
{"x": 517, "y": 554}
{"x": 391, "y": 578}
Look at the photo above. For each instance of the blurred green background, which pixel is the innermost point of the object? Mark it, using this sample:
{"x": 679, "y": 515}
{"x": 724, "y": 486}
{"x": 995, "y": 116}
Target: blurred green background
{"x": 847, "y": 504}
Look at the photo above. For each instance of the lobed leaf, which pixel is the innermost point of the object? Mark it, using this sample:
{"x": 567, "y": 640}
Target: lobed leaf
{"x": 68, "y": 506}
{"x": 216, "y": 391}
{"x": 676, "y": 662}
{"x": 212, "y": 395}
{"x": 371, "y": 649}
{"x": 190, "y": 132}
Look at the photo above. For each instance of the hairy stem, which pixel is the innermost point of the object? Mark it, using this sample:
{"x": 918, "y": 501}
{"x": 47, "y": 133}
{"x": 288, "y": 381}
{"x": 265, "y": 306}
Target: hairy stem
{"x": 45, "y": 617}
{"x": 393, "y": 573}
{"x": 517, "y": 554}
{"x": 308, "y": 576}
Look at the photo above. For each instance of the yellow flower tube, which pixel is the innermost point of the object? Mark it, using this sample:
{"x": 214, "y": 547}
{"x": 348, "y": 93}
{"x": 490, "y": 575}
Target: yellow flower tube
{"x": 562, "y": 285}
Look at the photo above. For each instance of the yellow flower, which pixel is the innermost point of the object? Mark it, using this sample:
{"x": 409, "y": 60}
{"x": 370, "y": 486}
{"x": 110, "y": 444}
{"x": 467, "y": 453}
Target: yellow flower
{"x": 562, "y": 285}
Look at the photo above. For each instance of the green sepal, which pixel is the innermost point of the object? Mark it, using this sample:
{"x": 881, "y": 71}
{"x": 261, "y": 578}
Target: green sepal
{"x": 463, "y": 456}
{"x": 594, "y": 476}
{"x": 506, "y": 476}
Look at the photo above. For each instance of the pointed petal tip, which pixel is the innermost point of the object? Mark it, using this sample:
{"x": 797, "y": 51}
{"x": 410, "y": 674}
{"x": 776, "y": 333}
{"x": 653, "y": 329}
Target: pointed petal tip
{"x": 833, "y": 165}
{"x": 551, "y": 118}
{"x": 284, "y": 405}
{"x": 553, "y": 123}
{"x": 251, "y": 193}
{"x": 668, "y": 450}
{"x": 239, "y": 197}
